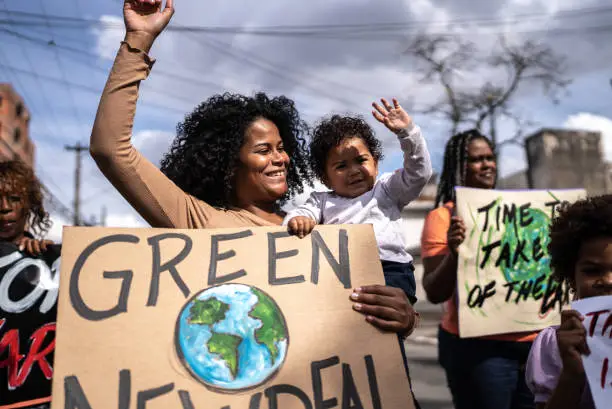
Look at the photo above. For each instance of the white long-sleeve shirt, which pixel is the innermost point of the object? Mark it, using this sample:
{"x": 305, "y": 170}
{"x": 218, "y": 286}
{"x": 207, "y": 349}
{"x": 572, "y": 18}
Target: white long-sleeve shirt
{"x": 383, "y": 204}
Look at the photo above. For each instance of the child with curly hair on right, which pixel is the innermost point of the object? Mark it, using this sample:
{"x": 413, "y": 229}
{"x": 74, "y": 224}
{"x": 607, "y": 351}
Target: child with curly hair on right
{"x": 581, "y": 256}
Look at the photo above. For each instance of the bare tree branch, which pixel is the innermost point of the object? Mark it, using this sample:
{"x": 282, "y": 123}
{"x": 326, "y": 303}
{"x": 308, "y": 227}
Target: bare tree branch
{"x": 440, "y": 58}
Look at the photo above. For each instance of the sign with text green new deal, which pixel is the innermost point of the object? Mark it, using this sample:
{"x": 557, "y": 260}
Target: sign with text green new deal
{"x": 503, "y": 279}
{"x": 230, "y": 318}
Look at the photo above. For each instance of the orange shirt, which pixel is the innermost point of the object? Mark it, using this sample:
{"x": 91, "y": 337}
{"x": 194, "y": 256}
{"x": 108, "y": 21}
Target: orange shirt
{"x": 434, "y": 243}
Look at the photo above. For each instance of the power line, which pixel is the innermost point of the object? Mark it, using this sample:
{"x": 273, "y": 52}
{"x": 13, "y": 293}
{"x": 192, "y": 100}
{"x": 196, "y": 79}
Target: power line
{"x": 87, "y": 61}
{"x": 312, "y": 29}
{"x": 62, "y": 69}
{"x": 37, "y": 78}
{"x": 83, "y": 87}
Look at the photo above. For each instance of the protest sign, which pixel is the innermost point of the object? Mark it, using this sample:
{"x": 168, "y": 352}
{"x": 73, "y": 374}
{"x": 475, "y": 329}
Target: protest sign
{"x": 230, "y": 318}
{"x": 503, "y": 278}
{"x": 28, "y": 309}
{"x": 597, "y": 312}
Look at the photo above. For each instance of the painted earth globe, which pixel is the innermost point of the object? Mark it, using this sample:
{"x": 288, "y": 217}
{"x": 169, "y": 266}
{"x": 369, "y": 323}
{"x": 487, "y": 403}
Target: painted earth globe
{"x": 232, "y": 337}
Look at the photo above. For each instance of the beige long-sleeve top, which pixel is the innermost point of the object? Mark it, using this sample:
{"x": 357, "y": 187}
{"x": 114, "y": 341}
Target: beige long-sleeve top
{"x": 155, "y": 197}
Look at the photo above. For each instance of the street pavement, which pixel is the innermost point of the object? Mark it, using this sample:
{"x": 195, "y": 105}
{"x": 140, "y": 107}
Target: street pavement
{"x": 428, "y": 379}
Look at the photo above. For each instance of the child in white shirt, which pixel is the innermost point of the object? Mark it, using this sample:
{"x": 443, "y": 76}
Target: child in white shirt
{"x": 345, "y": 155}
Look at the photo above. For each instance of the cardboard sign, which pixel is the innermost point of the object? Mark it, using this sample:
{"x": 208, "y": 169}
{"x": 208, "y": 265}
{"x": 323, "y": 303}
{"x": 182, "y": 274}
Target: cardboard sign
{"x": 28, "y": 309}
{"x": 504, "y": 282}
{"x": 232, "y": 318}
{"x": 597, "y": 312}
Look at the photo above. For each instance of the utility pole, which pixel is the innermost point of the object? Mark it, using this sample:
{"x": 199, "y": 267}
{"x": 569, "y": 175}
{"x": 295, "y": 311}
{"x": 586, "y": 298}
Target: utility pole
{"x": 103, "y": 217}
{"x": 77, "y": 149}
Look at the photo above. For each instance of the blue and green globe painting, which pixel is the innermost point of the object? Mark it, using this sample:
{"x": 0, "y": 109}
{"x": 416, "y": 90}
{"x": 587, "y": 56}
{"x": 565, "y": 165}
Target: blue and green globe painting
{"x": 232, "y": 337}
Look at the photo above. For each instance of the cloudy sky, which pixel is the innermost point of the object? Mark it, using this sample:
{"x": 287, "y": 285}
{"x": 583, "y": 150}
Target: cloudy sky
{"x": 356, "y": 55}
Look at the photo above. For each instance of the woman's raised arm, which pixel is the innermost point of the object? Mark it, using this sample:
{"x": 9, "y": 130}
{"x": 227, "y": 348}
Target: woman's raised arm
{"x": 158, "y": 200}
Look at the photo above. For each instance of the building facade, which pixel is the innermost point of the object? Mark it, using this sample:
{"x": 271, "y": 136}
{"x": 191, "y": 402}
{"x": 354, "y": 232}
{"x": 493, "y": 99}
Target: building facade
{"x": 14, "y": 127}
{"x": 563, "y": 159}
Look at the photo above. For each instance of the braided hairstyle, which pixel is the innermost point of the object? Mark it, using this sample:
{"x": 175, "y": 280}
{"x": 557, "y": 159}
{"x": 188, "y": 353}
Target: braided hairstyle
{"x": 455, "y": 164}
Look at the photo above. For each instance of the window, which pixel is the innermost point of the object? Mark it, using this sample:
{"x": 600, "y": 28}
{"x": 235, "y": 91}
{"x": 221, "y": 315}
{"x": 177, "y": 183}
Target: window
{"x": 18, "y": 109}
{"x": 16, "y": 135}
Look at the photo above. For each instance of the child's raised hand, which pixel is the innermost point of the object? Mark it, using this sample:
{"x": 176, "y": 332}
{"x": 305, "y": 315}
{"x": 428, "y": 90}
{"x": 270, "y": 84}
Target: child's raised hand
{"x": 394, "y": 117}
{"x": 571, "y": 338}
{"x": 301, "y": 226}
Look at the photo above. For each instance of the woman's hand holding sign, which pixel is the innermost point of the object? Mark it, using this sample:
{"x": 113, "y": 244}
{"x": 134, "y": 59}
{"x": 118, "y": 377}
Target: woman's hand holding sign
{"x": 385, "y": 307}
{"x": 456, "y": 234}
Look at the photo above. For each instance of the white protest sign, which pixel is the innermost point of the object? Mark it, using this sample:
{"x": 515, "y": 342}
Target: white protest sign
{"x": 597, "y": 312}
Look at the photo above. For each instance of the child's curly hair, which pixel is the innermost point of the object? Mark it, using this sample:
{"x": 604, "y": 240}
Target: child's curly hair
{"x": 576, "y": 223}
{"x": 330, "y": 132}
{"x": 17, "y": 177}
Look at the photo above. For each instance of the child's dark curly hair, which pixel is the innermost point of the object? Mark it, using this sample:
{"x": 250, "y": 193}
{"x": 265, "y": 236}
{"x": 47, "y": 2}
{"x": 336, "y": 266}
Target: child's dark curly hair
{"x": 204, "y": 155}
{"x": 18, "y": 178}
{"x": 576, "y": 223}
{"x": 330, "y": 132}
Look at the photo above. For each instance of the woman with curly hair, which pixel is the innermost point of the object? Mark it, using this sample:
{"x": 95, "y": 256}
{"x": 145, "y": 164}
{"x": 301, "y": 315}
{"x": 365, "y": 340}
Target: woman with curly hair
{"x": 580, "y": 251}
{"x": 22, "y": 213}
{"x": 235, "y": 158}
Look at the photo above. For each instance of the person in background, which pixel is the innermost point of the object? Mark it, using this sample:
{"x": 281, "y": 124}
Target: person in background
{"x": 22, "y": 215}
{"x": 485, "y": 372}
{"x": 580, "y": 251}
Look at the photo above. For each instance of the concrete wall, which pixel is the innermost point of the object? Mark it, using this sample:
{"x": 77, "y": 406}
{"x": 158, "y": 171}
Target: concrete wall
{"x": 561, "y": 159}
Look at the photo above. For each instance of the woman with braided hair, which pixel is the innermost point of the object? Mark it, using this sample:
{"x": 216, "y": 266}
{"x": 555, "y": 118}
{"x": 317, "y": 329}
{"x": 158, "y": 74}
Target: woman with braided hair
{"x": 484, "y": 372}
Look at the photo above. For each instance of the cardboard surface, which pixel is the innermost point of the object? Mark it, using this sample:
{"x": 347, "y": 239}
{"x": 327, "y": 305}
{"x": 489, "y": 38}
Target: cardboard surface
{"x": 28, "y": 308}
{"x": 123, "y": 354}
{"x": 597, "y": 312}
{"x": 503, "y": 280}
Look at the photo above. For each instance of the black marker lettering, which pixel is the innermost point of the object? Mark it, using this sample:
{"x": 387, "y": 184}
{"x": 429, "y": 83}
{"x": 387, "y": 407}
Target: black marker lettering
{"x": 350, "y": 395}
{"x": 537, "y": 251}
{"x": 487, "y": 250}
{"x": 185, "y": 398}
{"x": 520, "y": 251}
{"x": 504, "y": 255}
{"x": 74, "y": 396}
{"x": 75, "y": 296}
{"x": 553, "y": 207}
{"x": 373, "y": 382}
{"x": 125, "y": 389}
{"x": 341, "y": 267}
{"x": 273, "y": 392}
{"x": 144, "y": 396}
{"x": 510, "y": 215}
{"x": 524, "y": 291}
{"x": 510, "y": 286}
{"x": 215, "y": 257}
{"x": 526, "y": 220}
{"x": 317, "y": 384}
{"x": 471, "y": 301}
{"x": 274, "y": 256}
{"x": 169, "y": 266}
{"x": 485, "y": 210}
{"x": 498, "y": 211}
{"x": 255, "y": 401}
{"x": 537, "y": 287}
